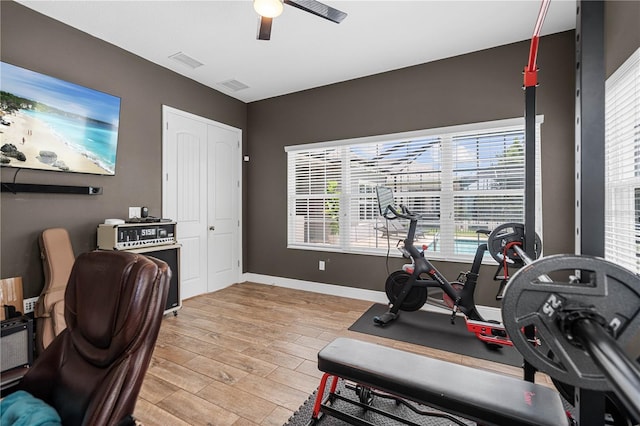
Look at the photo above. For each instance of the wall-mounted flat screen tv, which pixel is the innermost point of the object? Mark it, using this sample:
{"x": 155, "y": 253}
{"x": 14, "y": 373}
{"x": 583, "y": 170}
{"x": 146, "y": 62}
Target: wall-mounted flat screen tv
{"x": 51, "y": 124}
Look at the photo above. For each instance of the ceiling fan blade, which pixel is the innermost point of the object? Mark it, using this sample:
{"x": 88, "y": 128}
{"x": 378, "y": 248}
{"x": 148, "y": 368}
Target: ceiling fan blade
{"x": 318, "y": 9}
{"x": 264, "y": 32}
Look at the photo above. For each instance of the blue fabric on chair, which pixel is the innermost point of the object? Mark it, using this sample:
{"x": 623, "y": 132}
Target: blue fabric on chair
{"x": 22, "y": 409}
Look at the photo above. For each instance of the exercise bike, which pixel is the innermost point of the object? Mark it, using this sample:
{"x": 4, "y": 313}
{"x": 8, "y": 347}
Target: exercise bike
{"x": 407, "y": 290}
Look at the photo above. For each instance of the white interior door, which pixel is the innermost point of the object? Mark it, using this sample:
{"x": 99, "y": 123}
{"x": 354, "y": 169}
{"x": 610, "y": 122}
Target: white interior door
{"x": 196, "y": 185}
{"x": 224, "y": 222}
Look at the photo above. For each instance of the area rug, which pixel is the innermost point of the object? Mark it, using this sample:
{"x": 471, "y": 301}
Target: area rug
{"x": 303, "y": 415}
{"x": 434, "y": 330}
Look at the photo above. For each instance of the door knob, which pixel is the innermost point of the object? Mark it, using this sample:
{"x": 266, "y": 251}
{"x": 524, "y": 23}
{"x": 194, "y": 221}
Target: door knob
{"x": 212, "y": 228}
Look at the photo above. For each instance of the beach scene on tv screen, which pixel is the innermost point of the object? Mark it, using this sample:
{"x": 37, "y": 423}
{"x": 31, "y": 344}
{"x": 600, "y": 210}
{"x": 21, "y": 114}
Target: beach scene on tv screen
{"x": 51, "y": 124}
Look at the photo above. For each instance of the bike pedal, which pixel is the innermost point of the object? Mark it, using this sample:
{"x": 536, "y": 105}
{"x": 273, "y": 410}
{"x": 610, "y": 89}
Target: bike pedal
{"x": 378, "y": 320}
{"x": 385, "y": 318}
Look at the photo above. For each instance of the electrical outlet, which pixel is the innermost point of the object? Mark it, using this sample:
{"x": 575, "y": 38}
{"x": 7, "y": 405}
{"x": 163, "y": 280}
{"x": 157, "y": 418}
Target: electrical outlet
{"x": 321, "y": 265}
{"x": 134, "y": 212}
{"x": 29, "y": 305}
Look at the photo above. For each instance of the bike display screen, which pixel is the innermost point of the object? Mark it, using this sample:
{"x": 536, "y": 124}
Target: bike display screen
{"x": 385, "y": 199}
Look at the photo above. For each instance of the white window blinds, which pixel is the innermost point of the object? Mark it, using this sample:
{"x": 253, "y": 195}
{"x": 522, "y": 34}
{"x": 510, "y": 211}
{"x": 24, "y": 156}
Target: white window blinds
{"x": 622, "y": 166}
{"x": 314, "y": 196}
{"x": 459, "y": 179}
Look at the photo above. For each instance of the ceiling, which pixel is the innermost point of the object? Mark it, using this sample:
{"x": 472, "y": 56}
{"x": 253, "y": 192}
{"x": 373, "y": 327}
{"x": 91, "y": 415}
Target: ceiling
{"x": 305, "y": 51}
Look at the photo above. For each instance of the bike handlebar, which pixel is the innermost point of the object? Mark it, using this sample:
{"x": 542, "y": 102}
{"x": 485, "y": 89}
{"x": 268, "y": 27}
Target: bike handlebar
{"x": 406, "y": 213}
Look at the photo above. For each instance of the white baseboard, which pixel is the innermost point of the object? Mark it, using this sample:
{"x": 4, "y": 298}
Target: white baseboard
{"x": 488, "y": 312}
{"x": 332, "y": 289}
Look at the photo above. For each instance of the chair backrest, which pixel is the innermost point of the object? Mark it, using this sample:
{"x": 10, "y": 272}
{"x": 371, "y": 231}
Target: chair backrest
{"x": 92, "y": 371}
{"x": 57, "y": 260}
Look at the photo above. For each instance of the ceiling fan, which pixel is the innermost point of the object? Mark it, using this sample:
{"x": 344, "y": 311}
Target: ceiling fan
{"x": 269, "y": 9}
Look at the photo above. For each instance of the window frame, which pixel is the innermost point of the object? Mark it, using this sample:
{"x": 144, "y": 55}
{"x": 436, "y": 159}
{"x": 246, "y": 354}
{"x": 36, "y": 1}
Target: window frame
{"x": 622, "y": 171}
{"x": 343, "y": 245}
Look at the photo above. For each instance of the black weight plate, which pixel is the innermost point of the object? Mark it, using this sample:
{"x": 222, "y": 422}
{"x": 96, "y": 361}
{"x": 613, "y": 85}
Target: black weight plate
{"x": 508, "y": 233}
{"x": 611, "y": 290}
{"x": 395, "y": 283}
{"x": 365, "y": 395}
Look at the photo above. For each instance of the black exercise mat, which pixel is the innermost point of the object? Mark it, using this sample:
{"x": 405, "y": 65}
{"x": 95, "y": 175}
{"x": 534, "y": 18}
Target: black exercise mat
{"x": 434, "y": 330}
{"x": 303, "y": 415}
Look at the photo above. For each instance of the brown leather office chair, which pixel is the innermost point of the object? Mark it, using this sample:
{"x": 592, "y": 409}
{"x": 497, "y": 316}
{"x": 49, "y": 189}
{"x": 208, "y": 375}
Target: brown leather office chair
{"x": 57, "y": 260}
{"x": 92, "y": 372}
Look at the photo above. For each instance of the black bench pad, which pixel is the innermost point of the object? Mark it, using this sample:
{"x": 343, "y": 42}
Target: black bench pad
{"x": 486, "y": 397}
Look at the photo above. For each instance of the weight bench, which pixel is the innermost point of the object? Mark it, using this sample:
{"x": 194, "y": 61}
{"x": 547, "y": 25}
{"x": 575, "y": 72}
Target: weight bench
{"x": 482, "y": 396}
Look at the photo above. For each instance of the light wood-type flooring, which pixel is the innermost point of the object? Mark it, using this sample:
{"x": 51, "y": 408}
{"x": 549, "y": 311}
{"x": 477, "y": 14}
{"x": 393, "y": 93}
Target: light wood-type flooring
{"x": 246, "y": 355}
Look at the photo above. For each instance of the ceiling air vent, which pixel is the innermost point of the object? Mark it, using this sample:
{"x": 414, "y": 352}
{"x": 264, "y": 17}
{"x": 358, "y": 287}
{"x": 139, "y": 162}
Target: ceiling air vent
{"x": 186, "y": 60}
{"x": 233, "y": 85}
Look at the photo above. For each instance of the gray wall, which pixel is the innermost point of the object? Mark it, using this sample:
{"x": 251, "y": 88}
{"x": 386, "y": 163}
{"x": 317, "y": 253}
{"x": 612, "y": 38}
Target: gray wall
{"x": 621, "y": 32}
{"x": 480, "y": 86}
{"x": 33, "y": 41}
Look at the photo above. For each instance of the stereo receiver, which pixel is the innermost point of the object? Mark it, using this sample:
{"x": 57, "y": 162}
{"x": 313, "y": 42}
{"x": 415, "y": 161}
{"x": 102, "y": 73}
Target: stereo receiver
{"x": 135, "y": 235}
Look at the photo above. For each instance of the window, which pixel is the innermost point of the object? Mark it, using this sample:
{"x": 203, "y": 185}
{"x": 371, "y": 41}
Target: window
{"x": 460, "y": 179}
{"x": 622, "y": 166}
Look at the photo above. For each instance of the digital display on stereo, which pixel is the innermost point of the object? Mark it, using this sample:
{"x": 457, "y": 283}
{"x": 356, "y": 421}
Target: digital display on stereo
{"x": 148, "y": 233}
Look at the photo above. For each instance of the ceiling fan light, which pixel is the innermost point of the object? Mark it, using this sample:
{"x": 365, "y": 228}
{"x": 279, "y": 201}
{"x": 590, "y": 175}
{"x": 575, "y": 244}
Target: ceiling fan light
{"x": 268, "y": 8}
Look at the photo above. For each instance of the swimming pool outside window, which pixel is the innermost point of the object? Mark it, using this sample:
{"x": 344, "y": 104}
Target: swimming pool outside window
{"x": 460, "y": 178}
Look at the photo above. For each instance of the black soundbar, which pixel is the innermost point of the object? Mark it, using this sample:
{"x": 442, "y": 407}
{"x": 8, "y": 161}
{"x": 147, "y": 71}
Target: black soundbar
{"x": 50, "y": 189}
